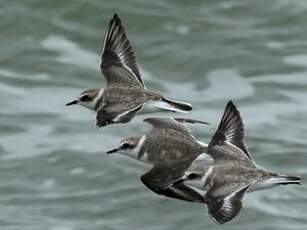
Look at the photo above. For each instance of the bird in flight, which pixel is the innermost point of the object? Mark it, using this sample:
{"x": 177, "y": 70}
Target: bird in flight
{"x": 125, "y": 93}
{"x": 169, "y": 148}
{"x": 233, "y": 171}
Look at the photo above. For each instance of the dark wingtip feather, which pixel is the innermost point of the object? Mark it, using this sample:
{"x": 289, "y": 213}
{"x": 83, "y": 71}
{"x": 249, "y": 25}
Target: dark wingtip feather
{"x": 224, "y": 209}
{"x": 231, "y": 129}
{"x": 116, "y": 19}
{"x": 222, "y": 217}
{"x": 117, "y": 50}
{"x": 230, "y": 104}
{"x": 231, "y": 121}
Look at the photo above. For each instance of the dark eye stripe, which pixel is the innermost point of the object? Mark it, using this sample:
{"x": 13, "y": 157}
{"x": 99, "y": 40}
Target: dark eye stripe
{"x": 127, "y": 146}
{"x": 85, "y": 98}
{"x": 192, "y": 176}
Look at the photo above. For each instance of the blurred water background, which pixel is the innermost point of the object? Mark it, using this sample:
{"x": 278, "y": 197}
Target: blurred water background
{"x": 54, "y": 173}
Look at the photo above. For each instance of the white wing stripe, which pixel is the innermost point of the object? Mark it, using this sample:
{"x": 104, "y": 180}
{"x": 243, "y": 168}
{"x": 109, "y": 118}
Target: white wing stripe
{"x": 119, "y": 116}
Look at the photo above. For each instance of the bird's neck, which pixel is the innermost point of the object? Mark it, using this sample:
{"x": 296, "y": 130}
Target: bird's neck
{"x": 97, "y": 102}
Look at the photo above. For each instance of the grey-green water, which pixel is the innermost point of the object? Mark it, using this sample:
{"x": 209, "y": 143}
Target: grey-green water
{"x": 54, "y": 174}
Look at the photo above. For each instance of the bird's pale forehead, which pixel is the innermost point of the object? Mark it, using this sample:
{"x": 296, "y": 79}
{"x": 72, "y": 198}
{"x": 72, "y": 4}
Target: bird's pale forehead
{"x": 130, "y": 140}
{"x": 125, "y": 141}
{"x": 90, "y": 92}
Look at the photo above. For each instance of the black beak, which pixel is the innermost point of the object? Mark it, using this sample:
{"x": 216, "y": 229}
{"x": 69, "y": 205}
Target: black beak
{"x": 112, "y": 151}
{"x": 72, "y": 102}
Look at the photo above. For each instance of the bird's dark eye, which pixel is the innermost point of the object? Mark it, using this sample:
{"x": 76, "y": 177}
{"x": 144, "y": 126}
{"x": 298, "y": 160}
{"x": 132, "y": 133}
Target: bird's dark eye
{"x": 85, "y": 98}
{"x": 192, "y": 176}
{"x": 126, "y": 146}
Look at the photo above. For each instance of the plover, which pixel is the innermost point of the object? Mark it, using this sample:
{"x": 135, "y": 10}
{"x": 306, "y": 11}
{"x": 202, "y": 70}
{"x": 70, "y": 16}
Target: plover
{"x": 233, "y": 172}
{"x": 125, "y": 93}
{"x": 170, "y": 147}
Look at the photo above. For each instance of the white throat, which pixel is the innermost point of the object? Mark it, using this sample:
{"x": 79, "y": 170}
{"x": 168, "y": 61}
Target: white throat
{"x": 92, "y": 105}
{"x": 137, "y": 152}
{"x": 202, "y": 182}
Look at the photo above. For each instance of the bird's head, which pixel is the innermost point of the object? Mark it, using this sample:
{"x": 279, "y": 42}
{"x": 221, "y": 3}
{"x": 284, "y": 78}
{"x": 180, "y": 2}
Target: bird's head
{"x": 88, "y": 98}
{"x": 130, "y": 146}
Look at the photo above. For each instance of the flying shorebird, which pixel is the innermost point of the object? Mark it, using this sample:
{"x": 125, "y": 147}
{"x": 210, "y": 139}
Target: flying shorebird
{"x": 233, "y": 172}
{"x": 125, "y": 93}
{"x": 170, "y": 147}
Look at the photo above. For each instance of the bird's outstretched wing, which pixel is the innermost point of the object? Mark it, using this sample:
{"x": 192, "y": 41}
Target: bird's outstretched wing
{"x": 172, "y": 123}
{"x": 227, "y": 142}
{"x": 118, "y": 63}
{"x": 224, "y": 203}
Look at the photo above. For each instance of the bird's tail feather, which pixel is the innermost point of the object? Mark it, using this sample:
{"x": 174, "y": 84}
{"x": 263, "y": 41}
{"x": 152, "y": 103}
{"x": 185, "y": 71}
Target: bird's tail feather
{"x": 172, "y": 105}
{"x": 284, "y": 180}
